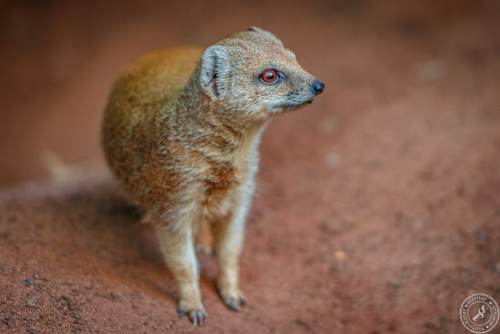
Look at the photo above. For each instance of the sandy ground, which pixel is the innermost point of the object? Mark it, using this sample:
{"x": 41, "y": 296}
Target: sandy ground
{"x": 378, "y": 207}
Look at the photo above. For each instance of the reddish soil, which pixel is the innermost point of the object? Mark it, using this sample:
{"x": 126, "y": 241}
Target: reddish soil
{"x": 378, "y": 207}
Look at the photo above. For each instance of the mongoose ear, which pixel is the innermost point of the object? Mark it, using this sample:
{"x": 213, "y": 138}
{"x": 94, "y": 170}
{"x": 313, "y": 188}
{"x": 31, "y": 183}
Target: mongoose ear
{"x": 259, "y": 30}
{"x": 214, "y": 70}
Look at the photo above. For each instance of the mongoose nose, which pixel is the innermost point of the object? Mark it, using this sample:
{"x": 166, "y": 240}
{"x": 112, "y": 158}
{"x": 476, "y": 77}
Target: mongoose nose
{"x": 317, "y": 87}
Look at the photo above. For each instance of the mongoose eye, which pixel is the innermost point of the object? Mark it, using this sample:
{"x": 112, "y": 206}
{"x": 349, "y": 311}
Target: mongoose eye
{"x": 269, "y": 76}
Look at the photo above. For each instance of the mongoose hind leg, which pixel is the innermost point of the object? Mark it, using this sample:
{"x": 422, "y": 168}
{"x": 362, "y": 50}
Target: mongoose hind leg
{"x": 204, "y": 239}
{"x": 178, "y": 249}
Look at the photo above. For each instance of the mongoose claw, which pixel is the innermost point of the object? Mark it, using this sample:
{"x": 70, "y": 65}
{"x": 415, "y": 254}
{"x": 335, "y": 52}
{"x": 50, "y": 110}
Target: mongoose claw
{"x": 197, "y": 317}
{"x": 234, "y": 302}
{"x": 181, "y": 312}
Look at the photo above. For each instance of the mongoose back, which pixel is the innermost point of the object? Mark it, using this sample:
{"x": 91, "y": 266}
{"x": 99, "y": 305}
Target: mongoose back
{"x": 180, "y": 132}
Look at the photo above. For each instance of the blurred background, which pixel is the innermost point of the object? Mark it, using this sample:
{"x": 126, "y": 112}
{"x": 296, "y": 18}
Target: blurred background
{"x": 59, "y": 58}
{"x": 378, "y": 206}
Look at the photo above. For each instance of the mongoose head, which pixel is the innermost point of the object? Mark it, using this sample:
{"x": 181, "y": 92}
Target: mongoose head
{"x": 253, "y": 76}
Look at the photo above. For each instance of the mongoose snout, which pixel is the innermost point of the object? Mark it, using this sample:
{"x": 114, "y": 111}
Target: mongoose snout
{"x": 181, "y": 132}
{"x": 317, "y": 87}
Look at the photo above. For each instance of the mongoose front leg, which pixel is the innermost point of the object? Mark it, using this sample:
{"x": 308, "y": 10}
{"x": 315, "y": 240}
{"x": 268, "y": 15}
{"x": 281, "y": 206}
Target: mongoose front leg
{"x": 178, "y": 249}
{"x": 229, "y": 235}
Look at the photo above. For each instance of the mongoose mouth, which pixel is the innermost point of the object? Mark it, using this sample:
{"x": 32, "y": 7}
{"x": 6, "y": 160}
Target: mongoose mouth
{"x": 286, "y": 107}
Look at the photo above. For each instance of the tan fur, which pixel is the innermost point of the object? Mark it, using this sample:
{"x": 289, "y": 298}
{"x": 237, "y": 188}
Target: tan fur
{"x": 181, "y": 131}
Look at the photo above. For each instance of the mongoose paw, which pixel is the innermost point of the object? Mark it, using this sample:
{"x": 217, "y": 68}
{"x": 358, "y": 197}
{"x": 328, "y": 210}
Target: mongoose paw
{"x": 198, "y": 316}
{"x": 233, "y": 300}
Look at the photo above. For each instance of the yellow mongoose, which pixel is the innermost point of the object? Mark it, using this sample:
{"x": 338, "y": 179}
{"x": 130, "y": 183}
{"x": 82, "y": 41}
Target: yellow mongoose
{"x": 180, "y": 132}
